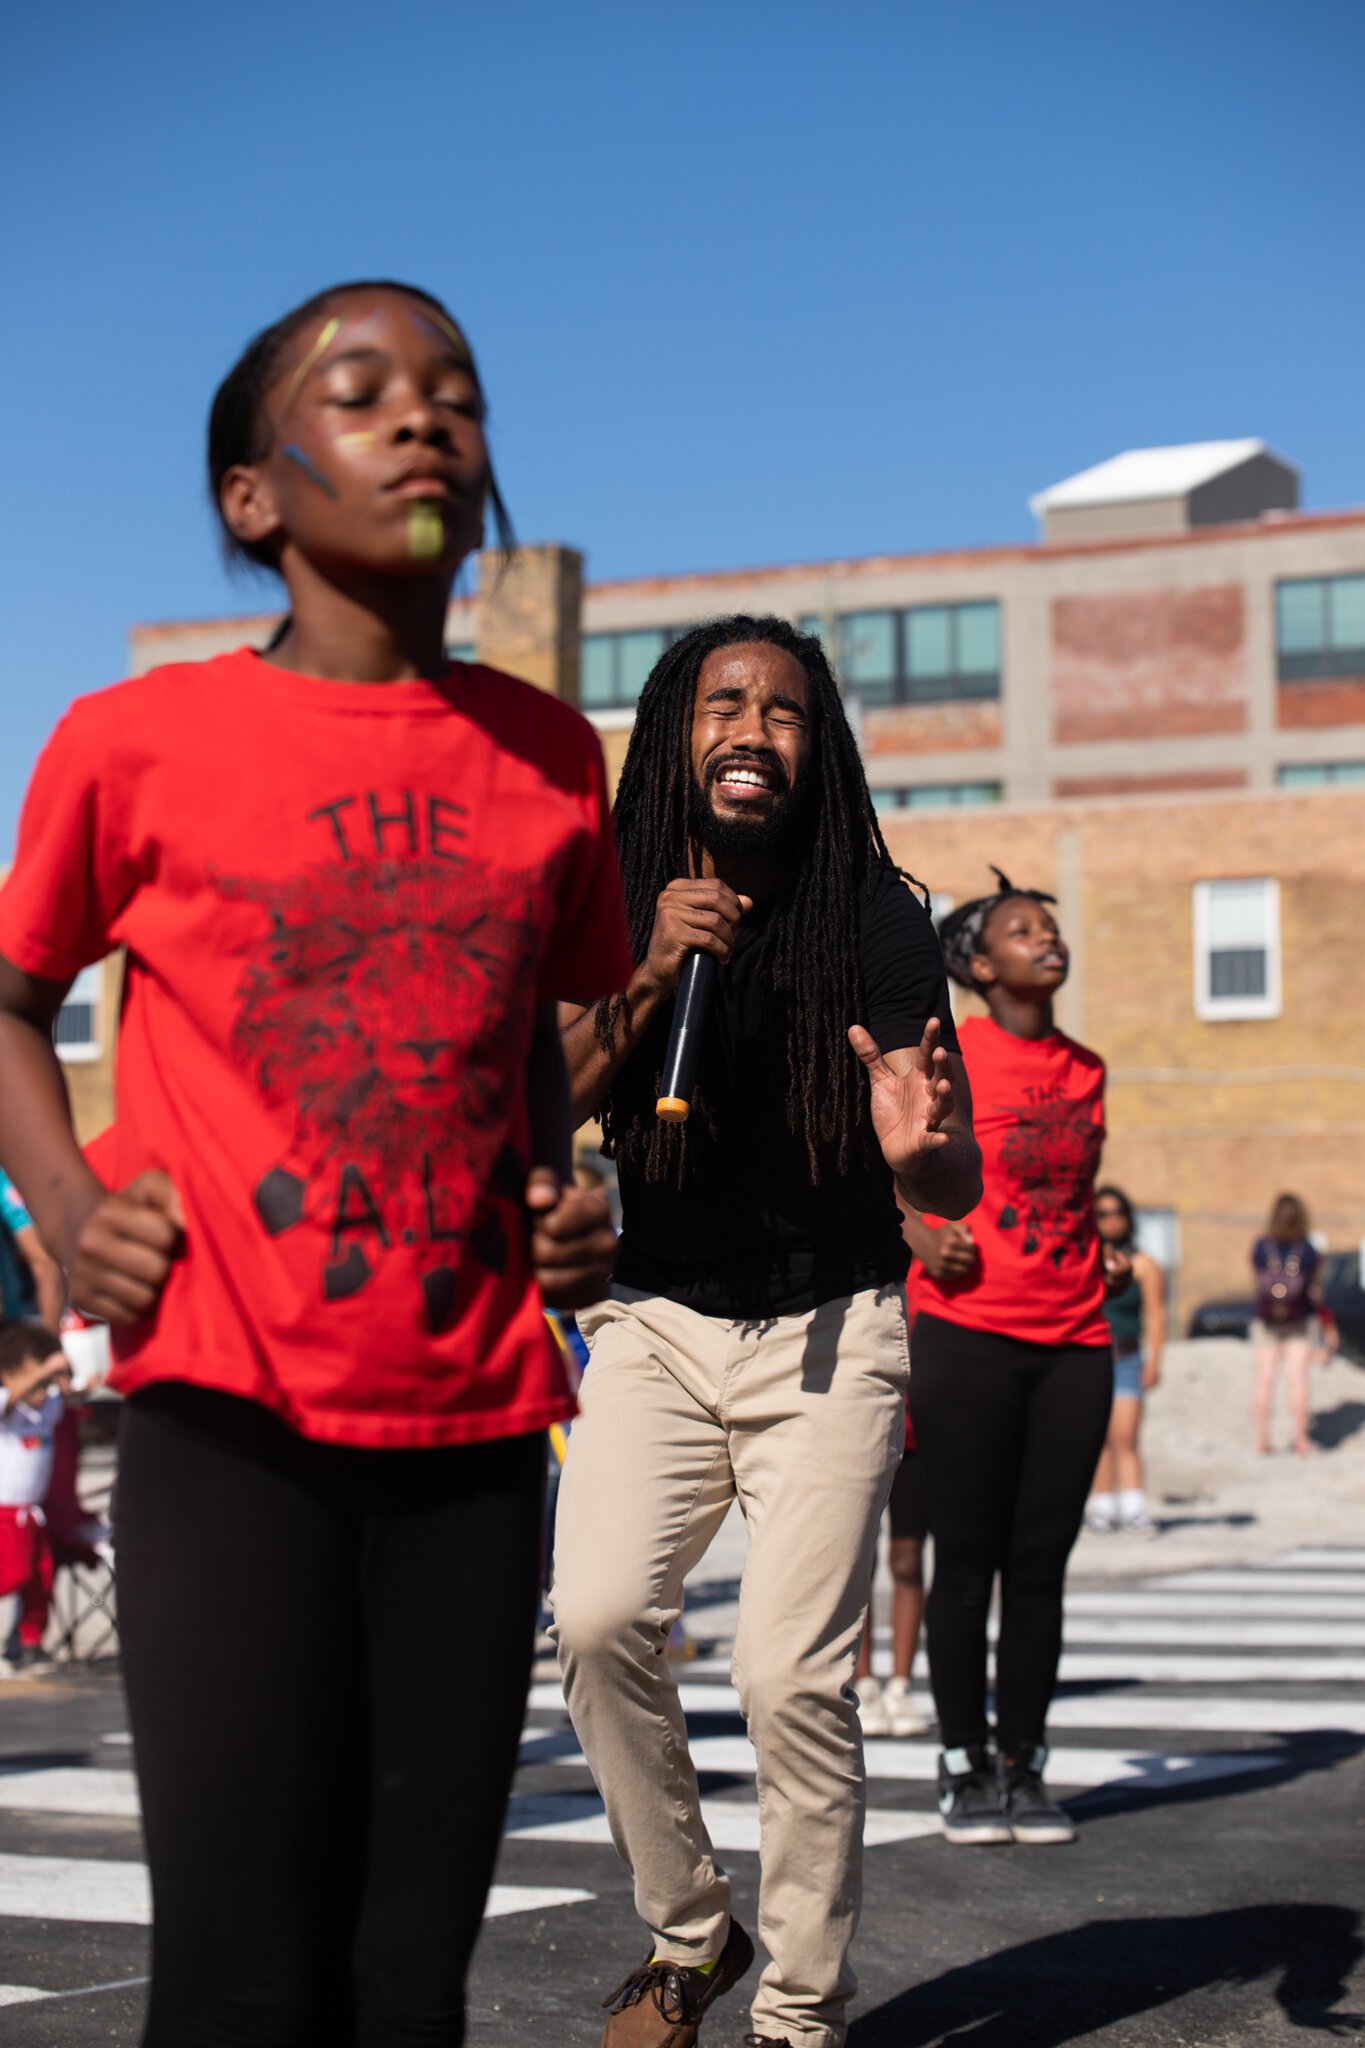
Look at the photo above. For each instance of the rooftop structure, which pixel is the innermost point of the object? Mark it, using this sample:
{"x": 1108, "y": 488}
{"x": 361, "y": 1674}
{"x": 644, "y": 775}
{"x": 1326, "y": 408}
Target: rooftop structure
{"x": 1168, "y": 490}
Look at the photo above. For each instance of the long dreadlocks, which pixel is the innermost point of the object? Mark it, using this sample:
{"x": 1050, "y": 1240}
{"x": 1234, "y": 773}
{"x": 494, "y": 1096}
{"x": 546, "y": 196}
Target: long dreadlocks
{"x": 809, "y": 968}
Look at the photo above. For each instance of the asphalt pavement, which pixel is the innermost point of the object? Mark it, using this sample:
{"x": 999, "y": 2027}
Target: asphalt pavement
{"x": 1207, "y": 1737}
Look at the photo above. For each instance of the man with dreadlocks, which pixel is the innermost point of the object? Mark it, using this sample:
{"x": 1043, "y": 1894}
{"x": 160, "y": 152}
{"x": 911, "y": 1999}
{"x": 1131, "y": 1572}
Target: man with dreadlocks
{"x": 754, "y": 1346}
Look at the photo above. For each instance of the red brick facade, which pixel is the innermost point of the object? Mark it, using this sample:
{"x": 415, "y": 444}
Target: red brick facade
{"x": 1149, "y": 785}
{"x": 931, "y": 728}
{"x": 1145, "y": 662}
{"x": 1340, "y": 702}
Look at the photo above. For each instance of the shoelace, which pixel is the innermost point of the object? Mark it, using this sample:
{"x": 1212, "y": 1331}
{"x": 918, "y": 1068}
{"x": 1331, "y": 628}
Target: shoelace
{"x": 672, "y": 1995}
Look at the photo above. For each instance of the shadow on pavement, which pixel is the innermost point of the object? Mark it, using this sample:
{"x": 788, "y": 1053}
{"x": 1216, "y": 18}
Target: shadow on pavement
{"x": 1293, "y": 1756}
{"x": 1067, "y": 1986}
{"x": 1332, "y": 1426}
{"x": 1166, "y": 1524}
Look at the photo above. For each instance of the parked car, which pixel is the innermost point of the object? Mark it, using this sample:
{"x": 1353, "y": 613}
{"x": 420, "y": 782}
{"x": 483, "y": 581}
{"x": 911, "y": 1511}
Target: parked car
{"x": 1339, "y": 1277}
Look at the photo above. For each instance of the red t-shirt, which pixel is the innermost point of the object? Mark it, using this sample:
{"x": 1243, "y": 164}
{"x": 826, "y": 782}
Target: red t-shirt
{"x": 340, "y": 903}
{"x": 1038, "y": 1109}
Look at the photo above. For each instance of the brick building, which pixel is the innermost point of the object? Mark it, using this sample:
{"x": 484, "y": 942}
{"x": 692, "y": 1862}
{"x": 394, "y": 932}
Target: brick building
{"x": 1158, "y": 710}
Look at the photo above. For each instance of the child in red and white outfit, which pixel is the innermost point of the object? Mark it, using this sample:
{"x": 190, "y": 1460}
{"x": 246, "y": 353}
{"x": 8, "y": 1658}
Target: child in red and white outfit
{"x": 34, "y": 1381}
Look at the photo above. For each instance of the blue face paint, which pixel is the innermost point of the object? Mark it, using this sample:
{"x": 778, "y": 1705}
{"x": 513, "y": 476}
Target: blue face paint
{"x": 310, "y": 469}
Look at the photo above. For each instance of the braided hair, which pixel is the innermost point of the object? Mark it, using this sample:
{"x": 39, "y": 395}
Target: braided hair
{"x": 961, "y": 930}
{"x": 809, "y": 965}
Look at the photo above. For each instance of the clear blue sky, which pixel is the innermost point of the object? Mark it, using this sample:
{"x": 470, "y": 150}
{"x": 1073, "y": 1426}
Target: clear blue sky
{"x": 749, "y": 283}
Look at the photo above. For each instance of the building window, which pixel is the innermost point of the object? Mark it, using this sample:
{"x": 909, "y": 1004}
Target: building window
{"x": 1237, "y": 948}
{"x": 922, "y": 656}
{"x": 936, "y": 796}
{"x": 1320, "y": 628}
{"x": 76, "y": 1033}
{"x": 615, "y": 665}
{"x": 1313, "y": 774}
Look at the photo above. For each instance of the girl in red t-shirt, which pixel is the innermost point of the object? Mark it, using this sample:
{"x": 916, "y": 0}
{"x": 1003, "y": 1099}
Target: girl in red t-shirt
{"x": 352, "y": 879}
{"x": 1011, "y": 1377}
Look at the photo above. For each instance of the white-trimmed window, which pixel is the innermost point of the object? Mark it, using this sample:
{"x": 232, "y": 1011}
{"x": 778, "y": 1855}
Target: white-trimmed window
{"x": 76, "y": 1033}
{"x": 1237, "y": 948}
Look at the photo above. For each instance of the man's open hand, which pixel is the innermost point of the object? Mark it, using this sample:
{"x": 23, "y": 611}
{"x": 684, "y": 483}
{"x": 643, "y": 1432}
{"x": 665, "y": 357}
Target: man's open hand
{"x": 909, "y": 1109}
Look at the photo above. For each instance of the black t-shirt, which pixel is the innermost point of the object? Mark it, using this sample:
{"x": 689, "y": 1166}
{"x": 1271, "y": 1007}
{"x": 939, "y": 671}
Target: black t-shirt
{"x": 748, "y": 1233}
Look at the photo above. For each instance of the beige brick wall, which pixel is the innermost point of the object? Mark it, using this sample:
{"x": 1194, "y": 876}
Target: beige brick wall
{"x": 1210, "y": 1119}
{"x": 528, "y": 617}
{"x": 90, "y": 1083}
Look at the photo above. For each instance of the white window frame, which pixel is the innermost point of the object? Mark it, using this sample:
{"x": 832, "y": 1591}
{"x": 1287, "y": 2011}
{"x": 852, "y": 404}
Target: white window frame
{"x": 1232, "y": 1009}
{"x": 88, "y": 988}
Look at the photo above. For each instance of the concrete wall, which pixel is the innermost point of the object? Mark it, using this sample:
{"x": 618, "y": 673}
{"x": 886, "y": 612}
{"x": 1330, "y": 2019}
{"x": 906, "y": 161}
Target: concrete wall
{"x": 1212, "y": 1119}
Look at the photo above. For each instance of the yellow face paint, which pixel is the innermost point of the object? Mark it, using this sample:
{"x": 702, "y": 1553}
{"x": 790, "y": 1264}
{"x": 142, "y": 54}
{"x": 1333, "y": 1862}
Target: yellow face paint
{"x": 429, "y": 317}
{"x": 366, "y": 439}
{"x": 327, "y": 335}
{"x": 426, "y": 533}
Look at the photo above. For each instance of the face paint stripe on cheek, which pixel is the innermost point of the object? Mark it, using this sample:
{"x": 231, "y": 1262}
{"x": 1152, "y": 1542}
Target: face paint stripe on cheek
{"x": 326, "y": 336}
{"x": 364, "y": 439}
{"x": 296, "y": 455}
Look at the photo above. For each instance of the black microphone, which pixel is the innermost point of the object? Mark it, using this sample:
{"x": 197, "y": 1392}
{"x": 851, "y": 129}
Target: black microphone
{"x": 690, "y": 1008}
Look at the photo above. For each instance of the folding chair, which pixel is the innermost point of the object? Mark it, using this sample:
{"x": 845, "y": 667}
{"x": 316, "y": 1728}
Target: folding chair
{"x": 83, "y": 1625}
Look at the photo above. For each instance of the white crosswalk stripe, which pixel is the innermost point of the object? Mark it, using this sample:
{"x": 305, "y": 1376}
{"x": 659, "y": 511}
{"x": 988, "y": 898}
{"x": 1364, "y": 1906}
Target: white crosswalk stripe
{"x": 117, "y": 1892}
{"x": 1196, "y": 1679}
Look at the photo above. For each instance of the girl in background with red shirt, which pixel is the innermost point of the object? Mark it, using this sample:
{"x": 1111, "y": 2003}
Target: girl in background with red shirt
{"x": 1011, "y": 1376}
{"x": 352, "y": 880}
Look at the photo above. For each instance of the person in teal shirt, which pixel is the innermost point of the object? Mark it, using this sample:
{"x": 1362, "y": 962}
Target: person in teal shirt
{"x": 1137, "y": 1324}
{"x": 31, "y": 1281}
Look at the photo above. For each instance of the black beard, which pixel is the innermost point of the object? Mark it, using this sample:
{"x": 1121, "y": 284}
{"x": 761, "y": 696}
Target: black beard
{"x": 744, "y": 835}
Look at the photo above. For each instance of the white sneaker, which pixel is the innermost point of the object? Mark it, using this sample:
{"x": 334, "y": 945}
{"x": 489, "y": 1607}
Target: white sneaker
{"x": 902, "y": 1713}
{"x": 872, "y": 1707}
{"x": 1137, "y": 1525}
{"x": 1101, "y": 1524}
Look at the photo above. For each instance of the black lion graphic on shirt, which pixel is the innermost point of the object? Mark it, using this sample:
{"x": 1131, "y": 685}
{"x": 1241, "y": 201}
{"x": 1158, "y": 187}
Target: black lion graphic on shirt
{"x": 1052, "y": 1155}
{"x": 374, "y": 1007}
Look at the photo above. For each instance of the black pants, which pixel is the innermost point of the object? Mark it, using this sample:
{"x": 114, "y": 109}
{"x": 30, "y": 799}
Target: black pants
{"x": 1008, "y": 1435}
{"x": 326, "y": 1654}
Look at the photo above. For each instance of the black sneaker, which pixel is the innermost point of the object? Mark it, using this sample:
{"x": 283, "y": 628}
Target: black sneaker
{"x": 1032, "y": 1816}
{"x": 969, "y": 1797}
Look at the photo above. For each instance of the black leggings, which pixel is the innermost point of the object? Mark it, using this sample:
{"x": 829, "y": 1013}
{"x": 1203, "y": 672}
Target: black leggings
{"x": 326, "y": 1654}
{"x": 1008, "y": 1435}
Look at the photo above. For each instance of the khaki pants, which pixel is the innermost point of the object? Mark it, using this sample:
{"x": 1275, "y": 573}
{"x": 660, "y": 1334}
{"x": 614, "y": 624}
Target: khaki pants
{"x": 802, "y": 1420}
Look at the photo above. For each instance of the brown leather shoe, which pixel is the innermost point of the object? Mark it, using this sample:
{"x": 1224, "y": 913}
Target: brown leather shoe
{"x": 660, "y": 2005}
